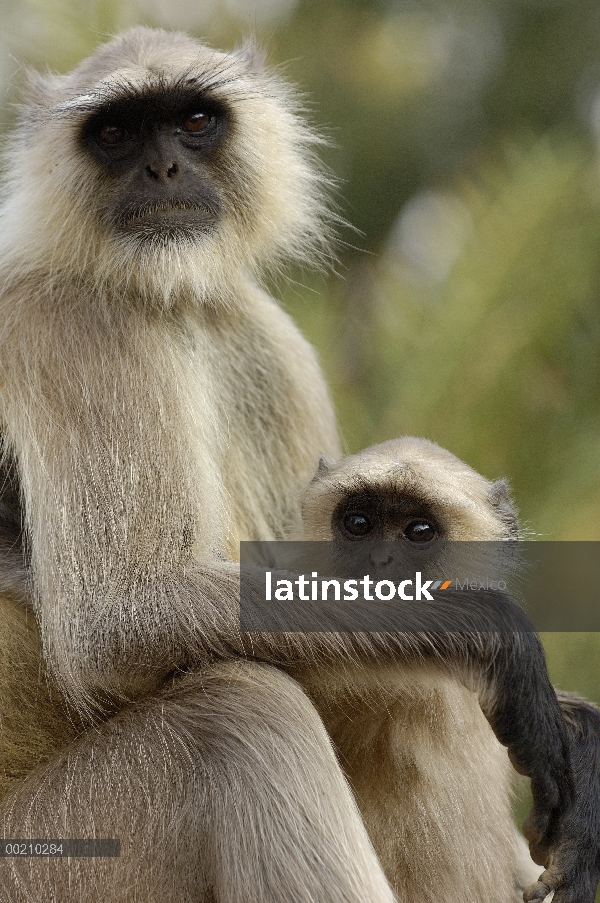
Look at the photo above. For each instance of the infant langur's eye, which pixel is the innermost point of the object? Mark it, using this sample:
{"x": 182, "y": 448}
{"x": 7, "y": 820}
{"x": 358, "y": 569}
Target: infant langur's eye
{"x": 419, "y": 531}
{"x": 357, "y": 524}
{"x": 197, "y": 122}
{"x": 111, "y": 133}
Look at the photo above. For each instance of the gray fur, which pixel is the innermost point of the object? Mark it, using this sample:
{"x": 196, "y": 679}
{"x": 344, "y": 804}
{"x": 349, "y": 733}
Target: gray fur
{"x": 158, "y": 407}
{"x": 432, "y": 782}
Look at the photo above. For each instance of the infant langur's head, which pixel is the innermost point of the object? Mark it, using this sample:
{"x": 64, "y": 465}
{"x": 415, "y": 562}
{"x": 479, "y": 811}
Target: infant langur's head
{"x": 408, "y": 490}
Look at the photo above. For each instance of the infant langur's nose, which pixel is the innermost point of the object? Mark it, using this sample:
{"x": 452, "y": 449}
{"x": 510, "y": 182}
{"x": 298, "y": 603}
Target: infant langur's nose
{"x": 381, "y": 560}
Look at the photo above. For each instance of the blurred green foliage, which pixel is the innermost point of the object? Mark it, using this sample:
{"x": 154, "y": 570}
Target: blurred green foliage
{"x": 497, "y": 357}
{"x": 467, "y": 309}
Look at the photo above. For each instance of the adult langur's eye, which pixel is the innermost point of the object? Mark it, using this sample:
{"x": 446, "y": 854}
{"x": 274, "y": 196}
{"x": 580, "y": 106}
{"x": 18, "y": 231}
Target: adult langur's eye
{"x": 110, "y": 133}
{"x": 419, "y": 531}
{"x": 197, "y": 122}
{"x": 357, "y": 524}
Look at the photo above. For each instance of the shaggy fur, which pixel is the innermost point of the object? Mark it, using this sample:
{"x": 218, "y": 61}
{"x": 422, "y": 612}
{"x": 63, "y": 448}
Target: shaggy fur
{"x": 157, "y": 404}
{"x": 156, "y": 407}
{"x": 432, "y": 782}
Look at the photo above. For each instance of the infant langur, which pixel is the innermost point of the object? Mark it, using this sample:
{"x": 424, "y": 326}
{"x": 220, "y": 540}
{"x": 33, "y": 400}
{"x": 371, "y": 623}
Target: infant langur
{"x": 431, "y": 780}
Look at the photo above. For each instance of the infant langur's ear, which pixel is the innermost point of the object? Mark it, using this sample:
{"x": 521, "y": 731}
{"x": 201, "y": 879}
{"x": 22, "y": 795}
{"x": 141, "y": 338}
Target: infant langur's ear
{"x": 325, "y": 465}
{"x": 500, "y": 500}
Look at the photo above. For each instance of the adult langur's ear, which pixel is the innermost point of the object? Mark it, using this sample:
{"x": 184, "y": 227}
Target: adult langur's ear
{"x": 253, "y": 55}
{"x": 38, "y": 88}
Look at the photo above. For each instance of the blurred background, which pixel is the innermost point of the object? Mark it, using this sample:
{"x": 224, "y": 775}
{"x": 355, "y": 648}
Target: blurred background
{"x": 466, "y": 302}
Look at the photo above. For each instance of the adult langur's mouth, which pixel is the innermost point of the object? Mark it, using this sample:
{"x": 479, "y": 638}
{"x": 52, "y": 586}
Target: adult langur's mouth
{"x": 173, "y": 217}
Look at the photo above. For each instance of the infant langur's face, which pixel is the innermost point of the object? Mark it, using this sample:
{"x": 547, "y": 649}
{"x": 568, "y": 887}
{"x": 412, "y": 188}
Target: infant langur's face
{"x": 396, "y": 504}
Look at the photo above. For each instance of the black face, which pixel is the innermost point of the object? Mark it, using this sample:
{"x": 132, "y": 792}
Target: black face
{"x": 159, "y": 151}
{"x": 388, "y": 517}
